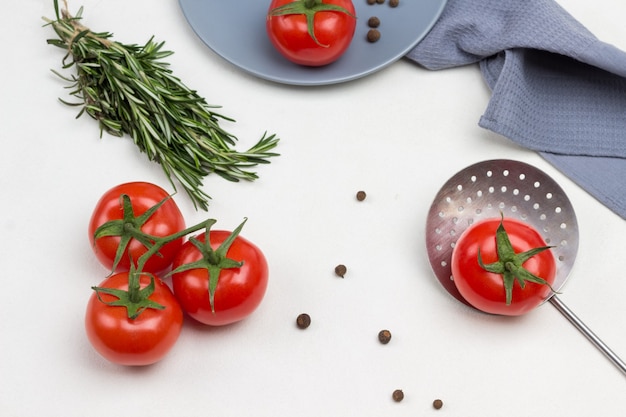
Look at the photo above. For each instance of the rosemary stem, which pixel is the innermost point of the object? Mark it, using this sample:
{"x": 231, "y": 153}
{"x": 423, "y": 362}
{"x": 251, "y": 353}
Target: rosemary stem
{"x": 130, "y": 90}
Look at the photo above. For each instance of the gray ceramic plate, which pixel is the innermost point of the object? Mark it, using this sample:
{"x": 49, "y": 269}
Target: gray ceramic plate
{"x": 235, "y": 30}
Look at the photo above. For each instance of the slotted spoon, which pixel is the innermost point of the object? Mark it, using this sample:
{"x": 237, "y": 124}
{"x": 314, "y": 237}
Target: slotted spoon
{"x": 515, "y": 189}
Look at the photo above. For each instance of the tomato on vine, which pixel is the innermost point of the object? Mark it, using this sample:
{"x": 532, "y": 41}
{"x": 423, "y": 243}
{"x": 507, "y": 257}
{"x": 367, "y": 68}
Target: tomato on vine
{"x": 219, "y": 277}
{"x": 133, "y": 319}
{"x": 125, "y": 221}
{"x": 311, "y": 32}
{"x": 503, "y": 266}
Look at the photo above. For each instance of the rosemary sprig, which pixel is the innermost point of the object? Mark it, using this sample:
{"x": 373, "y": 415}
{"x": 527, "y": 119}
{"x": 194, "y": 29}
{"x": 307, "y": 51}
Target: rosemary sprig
{"x": 129, "y": 89}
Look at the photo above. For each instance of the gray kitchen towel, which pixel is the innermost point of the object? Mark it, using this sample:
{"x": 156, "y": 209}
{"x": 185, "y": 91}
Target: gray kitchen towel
{"x": 556, "y": 88}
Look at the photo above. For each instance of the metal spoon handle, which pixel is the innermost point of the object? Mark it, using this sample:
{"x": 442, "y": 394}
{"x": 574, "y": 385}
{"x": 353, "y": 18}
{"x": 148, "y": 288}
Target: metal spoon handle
{"x": 563, "y": 309}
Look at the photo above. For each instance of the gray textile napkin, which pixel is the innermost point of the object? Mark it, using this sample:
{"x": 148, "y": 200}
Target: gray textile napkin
{"x": 556, "y": 88}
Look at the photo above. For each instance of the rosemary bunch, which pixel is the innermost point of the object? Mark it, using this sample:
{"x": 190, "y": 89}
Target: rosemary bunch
{"x": 128, "y": 89}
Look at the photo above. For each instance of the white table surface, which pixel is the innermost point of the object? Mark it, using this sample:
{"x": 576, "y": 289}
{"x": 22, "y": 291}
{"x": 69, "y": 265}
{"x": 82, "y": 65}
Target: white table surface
{"x": 398, "y": 135}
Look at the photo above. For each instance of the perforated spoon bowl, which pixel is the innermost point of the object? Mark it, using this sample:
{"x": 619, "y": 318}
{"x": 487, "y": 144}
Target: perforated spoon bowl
{"x": 491, "y": 188}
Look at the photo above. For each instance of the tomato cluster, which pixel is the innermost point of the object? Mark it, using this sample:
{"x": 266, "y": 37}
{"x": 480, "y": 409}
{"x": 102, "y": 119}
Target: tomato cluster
{"x": 137, "y": 231}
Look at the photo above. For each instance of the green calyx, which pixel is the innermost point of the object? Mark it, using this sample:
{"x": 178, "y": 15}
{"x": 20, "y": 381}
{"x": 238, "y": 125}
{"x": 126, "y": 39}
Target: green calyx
{"x": 510, "y": 264}
{"x": 308, "y": 8}
{"x": 135, "y": 299}
{"x": 129, "y": 227}
{"x": 212, "y": 260}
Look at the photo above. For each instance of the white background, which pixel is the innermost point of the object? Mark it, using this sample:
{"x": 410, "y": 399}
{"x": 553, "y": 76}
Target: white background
{"x": 398, "y": 135}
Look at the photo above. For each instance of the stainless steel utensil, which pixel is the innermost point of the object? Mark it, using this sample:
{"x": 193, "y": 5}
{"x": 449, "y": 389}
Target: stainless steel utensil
{"x": 489, "y": 188}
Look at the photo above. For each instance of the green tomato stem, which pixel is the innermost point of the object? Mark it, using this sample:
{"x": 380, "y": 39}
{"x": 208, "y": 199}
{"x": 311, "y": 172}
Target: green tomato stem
{"x": 510, "y": 264}
{"x": 214, "y": 261}
{"x": 136, "y": 299}
{"x": 308, "y": 8}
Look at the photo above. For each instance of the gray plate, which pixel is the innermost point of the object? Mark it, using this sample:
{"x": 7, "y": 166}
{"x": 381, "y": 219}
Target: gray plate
{"x": 235, "y": 30}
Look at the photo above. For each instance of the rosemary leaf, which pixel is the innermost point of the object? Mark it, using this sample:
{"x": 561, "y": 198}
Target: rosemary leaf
{"x": 130, "y": 90}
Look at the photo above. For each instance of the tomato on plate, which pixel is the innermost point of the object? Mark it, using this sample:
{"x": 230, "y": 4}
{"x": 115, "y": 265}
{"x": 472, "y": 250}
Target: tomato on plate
{"x": 129, "y": 226}
{"x": 222, "y": 280}
{"x": 503, "y": 266}
{"x": 137, "y": 329}
{"x": 311, "y": 32}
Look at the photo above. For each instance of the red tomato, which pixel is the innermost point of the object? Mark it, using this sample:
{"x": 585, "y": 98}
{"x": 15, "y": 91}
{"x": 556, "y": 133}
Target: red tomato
{"x": 239, "y": 290}
{"x": 487, "y": 290}
{"x": 167, "y": 220}
{"x": 143, "y": 340}
{"x": 291, "y": 34}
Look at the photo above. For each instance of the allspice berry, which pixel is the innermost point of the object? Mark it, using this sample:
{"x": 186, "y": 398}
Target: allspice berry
{"x": 373, "y": 22}
{"x": 394, "y": 3}
{"x": 303, "y": 321}
{"x": 340, "y": 270}
{"x": 397, "y": 395}
{"x": 384, "y": 336}
{"x": 361, "y": 195}
{"x": 373, "y": 35}
{"x": 437, "y": 404}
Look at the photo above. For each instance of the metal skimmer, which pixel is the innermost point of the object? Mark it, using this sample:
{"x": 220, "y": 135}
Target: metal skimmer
{"x": 489, "y": 188}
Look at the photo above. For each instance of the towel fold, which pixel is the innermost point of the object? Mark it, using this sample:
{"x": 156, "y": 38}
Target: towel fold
{"x": 556, "y": 88}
